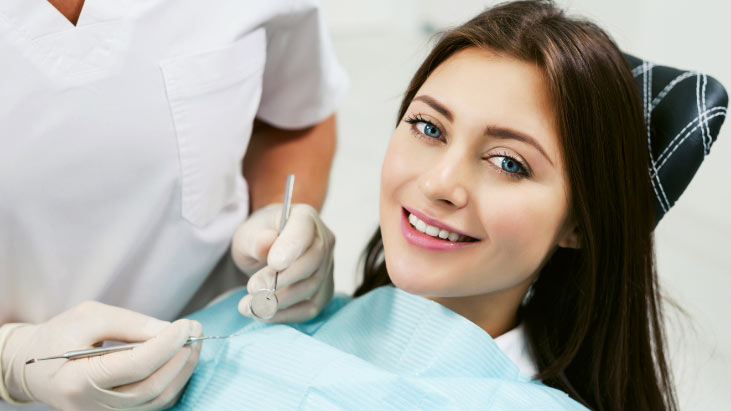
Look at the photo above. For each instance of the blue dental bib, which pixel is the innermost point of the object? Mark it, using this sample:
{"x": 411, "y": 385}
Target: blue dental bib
{"x": 385, "y": 350}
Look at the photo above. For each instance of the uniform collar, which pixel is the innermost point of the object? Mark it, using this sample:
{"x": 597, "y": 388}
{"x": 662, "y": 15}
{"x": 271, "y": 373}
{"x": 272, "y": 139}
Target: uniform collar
{"x": 38, "y": 18}
{"x": 515, "y": 346}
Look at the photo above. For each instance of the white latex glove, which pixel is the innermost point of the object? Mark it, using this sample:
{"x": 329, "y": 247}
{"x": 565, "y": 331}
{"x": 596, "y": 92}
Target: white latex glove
{"x": 148, "y": 377}
{"x": 302, "y": 254}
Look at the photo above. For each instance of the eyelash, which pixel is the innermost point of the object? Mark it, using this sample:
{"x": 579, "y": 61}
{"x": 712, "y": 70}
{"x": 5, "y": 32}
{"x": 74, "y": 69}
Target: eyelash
{"x": 414, "y": 119}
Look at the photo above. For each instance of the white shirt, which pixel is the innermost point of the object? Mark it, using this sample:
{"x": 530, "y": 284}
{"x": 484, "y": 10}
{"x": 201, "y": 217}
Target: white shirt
{"x": 121, "y": 141}
{"x": 515, "y": 346}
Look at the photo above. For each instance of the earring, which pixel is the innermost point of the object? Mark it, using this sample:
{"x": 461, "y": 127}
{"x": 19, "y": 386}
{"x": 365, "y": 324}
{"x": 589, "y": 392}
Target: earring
{"x": 528, "y": 294}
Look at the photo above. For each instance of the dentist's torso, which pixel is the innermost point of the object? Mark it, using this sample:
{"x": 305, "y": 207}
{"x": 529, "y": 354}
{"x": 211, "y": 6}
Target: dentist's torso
{"x": 121, "y": 142}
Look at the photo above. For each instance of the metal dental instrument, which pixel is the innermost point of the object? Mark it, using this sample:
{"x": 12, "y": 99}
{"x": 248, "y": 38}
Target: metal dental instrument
{"x": 264, "y": 304}
{"x": 92, "y": 352}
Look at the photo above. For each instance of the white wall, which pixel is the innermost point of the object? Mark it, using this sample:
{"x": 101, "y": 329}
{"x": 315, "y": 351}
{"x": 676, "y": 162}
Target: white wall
{"x": 380, "y": 43}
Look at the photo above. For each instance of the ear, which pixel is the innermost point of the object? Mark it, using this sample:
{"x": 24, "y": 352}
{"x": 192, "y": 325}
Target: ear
{"x": 570, "y": 238}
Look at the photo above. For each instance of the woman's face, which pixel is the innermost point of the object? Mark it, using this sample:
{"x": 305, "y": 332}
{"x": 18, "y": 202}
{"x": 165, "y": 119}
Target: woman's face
{"x": 473, "y": 197}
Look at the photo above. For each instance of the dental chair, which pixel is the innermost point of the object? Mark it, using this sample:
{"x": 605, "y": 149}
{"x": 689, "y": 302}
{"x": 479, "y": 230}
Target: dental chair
{"x": 684, "y": 111}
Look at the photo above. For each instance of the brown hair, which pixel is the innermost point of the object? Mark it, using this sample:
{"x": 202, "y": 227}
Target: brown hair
{"x": 594, "y": 318}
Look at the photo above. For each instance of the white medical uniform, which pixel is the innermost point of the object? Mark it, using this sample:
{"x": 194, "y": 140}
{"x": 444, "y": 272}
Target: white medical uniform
{"x": 121, "y": 141}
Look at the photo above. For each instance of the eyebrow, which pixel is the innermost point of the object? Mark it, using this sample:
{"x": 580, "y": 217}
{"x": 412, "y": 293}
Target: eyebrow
{"x": 490, "y": 130}
{"x": 435, "y": 105}
{"x": 503, "y": 132}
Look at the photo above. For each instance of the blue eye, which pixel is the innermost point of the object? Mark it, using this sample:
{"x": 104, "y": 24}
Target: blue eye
{"x": 508, "y": 164}
{"x": 428, "y": 129}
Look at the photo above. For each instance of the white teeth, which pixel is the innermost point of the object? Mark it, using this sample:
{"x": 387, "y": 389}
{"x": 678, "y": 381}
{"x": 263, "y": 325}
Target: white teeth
{"x": 413, "y": 219}
{"x": 434, "y": 231}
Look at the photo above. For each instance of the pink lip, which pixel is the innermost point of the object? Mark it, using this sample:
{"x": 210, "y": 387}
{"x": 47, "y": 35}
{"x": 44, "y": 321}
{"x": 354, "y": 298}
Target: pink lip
{"x": 419, "y": 239}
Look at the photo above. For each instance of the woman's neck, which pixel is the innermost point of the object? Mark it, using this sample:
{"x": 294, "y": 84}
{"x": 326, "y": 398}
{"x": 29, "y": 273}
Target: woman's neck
{"x": 494, "y": 312}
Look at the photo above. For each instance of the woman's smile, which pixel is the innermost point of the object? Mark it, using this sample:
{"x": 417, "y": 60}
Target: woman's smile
{"x": 426, "y": 232}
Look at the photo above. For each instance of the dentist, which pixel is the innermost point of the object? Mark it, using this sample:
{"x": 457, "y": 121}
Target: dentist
{"x": 137, "y": 139}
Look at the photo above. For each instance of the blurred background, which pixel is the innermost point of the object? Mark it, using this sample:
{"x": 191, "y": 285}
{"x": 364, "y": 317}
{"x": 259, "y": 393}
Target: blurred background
{"x": 380, "y": 43}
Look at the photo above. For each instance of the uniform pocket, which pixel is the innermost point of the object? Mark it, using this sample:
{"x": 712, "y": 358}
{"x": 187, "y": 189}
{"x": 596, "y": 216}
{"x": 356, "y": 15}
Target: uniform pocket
{"x": 213, "y": 98}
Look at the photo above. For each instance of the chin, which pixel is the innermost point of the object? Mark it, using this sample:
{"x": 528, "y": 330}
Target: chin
{"x": 415, "y": 279}
{"x": 405, "y": 277}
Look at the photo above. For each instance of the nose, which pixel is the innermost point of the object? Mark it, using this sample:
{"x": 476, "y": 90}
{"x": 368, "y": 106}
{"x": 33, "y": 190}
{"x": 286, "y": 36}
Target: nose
{"x": 445, "y": 182}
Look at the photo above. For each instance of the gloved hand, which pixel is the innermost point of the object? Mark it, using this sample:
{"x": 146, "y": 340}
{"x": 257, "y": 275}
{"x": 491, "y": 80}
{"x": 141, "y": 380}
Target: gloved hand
{"x": 302, "y": 254}
{"x": 150, "y": 376}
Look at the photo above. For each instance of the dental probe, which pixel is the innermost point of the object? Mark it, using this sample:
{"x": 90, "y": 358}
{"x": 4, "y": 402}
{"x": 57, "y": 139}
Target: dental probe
{"x": 92, "y": 352}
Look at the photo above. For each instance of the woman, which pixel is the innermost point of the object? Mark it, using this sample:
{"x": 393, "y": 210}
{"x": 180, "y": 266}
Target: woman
{"x": 515, "y": 197}
{"x": 575, "y": 270}
{"x": 515, "y": 193}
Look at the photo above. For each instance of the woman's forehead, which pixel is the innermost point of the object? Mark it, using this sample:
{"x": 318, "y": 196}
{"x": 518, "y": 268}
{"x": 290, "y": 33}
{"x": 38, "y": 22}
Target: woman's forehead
{"x": 482, "y": 87}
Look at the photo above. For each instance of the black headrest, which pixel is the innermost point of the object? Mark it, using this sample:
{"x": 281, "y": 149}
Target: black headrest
{"x": 684, "y": 111}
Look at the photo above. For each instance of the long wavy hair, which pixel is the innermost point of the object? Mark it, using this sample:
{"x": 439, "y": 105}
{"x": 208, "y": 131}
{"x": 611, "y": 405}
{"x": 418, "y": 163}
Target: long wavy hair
{"x": 594, "y": 319}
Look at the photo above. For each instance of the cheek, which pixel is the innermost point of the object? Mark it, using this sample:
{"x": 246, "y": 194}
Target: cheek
{"x": 399, "y": 168}
{"x": 394, "y": 176}
{"x": 389, "y": 177}
{"x": 524, "y": 227}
